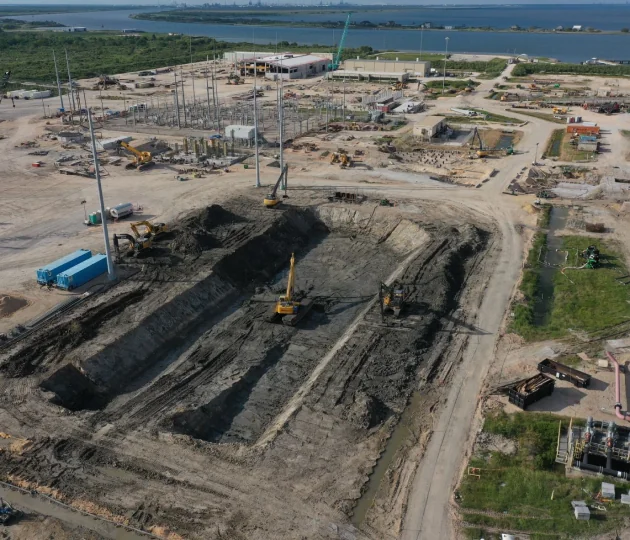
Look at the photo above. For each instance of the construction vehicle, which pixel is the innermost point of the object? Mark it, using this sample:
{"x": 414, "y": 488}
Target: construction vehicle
{"x": 399, "y": 86}
{"x": 271, "y": 200}
{"x": 481, "y": 152}
{"x": 8, "y": 514}
{"x": 591, "y": 254}
{"x": 135, "y": 245}
{"x": 392, "y": 298}
{"x": 152, "y": 229}
{"x": 342, "y": 158}
{"x": 287, "y": 309}
{"x": 142, "y": 160}
{"x": 560, "y": 110}
{"x": 337, "y": 60}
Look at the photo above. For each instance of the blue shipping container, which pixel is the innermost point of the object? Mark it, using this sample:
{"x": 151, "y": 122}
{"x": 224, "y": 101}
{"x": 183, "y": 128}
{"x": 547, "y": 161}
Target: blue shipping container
{"x": 82, "y": 273}
{"x": 48, "y": 274}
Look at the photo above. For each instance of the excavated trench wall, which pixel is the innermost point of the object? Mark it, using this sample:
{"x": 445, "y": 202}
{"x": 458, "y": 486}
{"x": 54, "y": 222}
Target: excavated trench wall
{"x": 107, "y": 373}
{"x": 94, "y": 381}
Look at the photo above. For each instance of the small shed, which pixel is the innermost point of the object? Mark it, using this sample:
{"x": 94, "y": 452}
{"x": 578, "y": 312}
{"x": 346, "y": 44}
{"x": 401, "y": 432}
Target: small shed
{"x": 67, "y": 137}
{"x": 582, "y": 513}
{"x": 240, "y": 132}
{"x": 588, "y": 146}
{"x": 429, "y": 127}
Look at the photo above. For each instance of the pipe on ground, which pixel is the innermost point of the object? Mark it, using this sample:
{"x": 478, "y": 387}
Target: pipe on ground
{"x": 620, "y": 414}
{"x": 601, "y": 470}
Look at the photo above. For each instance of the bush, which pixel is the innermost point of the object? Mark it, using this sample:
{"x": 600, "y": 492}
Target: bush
{"x": 522, "y": 70}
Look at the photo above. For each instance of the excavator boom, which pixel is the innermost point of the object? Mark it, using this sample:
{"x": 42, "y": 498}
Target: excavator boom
{"x": 142, "y": 159}
{"x": 272, "y": 200}
{"x": 291, "y": 282}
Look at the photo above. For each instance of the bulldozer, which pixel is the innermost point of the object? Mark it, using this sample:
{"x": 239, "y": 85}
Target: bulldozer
{"x": 271, "y": 200}
{"x": 288, "y": 309}
{"x": 141, "y": 160}
{"x": 392, "y": 298}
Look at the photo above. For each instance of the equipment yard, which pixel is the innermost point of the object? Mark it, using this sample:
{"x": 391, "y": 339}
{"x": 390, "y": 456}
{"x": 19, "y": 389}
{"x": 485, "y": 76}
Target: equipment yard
{"x": 312, "y": 357}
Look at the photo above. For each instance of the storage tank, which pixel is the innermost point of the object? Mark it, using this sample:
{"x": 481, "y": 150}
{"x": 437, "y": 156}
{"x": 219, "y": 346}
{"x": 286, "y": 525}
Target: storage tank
{"x": 48, "y": 274}
{"x": 82, "y": 273}
{"x": 121, "y": 210}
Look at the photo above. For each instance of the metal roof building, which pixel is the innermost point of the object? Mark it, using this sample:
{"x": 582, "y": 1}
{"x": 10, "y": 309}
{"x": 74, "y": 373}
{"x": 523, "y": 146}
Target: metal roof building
{"x": 288, "y": 66}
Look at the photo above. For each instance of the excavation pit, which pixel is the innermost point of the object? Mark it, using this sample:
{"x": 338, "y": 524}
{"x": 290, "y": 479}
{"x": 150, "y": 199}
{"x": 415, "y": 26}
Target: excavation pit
{"x": 182, "y": 384}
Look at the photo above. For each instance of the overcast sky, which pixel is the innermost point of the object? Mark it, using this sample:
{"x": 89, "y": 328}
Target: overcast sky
{"x": 307, "y": 2}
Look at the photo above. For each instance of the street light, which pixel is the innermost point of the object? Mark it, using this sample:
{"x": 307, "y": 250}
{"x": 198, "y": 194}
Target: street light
{"x": 535, "y": 162}
{"x": 444, "y": 74}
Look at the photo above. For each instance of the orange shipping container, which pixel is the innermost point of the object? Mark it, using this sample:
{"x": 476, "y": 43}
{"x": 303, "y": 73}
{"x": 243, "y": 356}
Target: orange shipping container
{"x": 583, "y": 130}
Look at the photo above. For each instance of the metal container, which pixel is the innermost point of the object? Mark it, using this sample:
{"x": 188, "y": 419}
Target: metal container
{"x": 48, "y": 274}
{"x": 528, "y": 391}
{"x": 82, "y": 273}
{"x": 121, "y": 210}
{"x": 565, "y": 373}
{"x": 95, "y": 218}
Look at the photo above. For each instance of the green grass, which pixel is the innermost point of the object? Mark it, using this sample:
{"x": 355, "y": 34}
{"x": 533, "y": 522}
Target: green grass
{"x": 554, "y": 145}
{"x": 459, "y": 84}
{"x": 625, "y": 133}
{"x": 542, "y": 116}
{"x": 584, "y": 300}
{"x": 519, "y": 486}
{"x": 521, "y": 70}
{"x": 28, "y": 55}
{"x": 492, "y": 117}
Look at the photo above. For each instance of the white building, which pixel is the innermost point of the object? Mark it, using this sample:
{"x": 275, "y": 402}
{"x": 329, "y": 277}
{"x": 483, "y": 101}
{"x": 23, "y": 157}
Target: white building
{"x": 240, "y": 133}
{"x": 429, "y": 127}
{"x": 290, "y": 66}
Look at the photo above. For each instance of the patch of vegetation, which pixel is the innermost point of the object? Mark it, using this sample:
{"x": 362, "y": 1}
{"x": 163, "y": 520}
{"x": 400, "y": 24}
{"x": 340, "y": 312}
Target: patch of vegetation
{"x": 554, "y": 145}
{"x": 460, "y": 84}
{"x": 584, "y": 300}
{"x": 28, "y": 55}
{"x": 492, "y": 117}
{"x": 542, "y": 116}
{"x": 16, "y": 24}
{"x": 514, "y": 492}
{"x": 524, "y": 69}
{"x": 625, "y": 133}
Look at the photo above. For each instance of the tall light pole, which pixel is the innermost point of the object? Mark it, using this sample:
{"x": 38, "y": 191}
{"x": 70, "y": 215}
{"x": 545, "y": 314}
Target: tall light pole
{"x": 536, "y": 155}
{"x": 58, "y": 83}
{"x": 256, "y": 126}
{"x": 111, "y": 271}
{"x": 70, "y": 82}
{"x": 444, "y": 74}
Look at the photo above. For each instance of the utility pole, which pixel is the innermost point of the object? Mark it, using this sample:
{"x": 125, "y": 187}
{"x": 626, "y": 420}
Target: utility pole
{"x": 208, "y": 89}
{"x": 444, "y": 74}
{"x": 191, "y": 69}
{"x": 58, "y": 83}
{"x": 111, "y": 271}
{"x": 181, "y": 73}
{"x": 281, "y": 120}
{"x": 179, "y": 125}
{"x": 256, "y": 128}
{"x": 70, "y": 81}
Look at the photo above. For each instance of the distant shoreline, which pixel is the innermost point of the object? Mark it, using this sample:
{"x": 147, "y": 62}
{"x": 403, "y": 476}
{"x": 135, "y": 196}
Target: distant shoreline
{"x": 179, "y": 17}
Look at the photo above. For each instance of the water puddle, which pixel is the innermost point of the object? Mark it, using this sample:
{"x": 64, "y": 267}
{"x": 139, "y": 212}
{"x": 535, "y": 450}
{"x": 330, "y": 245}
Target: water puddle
{"x": 505, "y": 141}
{"x": 553, "y": 258}
{"x": 401, "y": 434}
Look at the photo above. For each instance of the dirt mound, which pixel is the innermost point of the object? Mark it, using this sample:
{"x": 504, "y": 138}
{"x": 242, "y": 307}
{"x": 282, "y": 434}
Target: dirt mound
{"x": 10, "y": 304}
{"x": 203, "y": 230}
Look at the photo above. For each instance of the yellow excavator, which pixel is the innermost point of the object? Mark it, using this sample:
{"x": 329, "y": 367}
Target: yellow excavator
{"x": 135, "y": 245}
{"x": 142, "y": 160}
{"x": 271, "y": 200}
{"x": 287, "y": 308}
{"x": 152, "y": 229}
{"x": 482, "y": 152}
{"x": 342, "y": 158}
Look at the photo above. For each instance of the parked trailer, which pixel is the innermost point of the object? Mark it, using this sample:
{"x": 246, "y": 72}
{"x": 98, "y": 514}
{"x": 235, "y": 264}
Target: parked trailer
{"x": 121, "y": 210}
{"x": 565, "y": 373}
{"x": 47, "y": 275}
{"x": 528, "y": 391}
{"x": 82, "y": 273}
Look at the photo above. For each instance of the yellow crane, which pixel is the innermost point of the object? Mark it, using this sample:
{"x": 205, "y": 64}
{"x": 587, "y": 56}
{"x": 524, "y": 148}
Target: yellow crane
{"x": 141, "y": 160}
{"x": 287, "y": 308}
{"x": 271, "y": 200}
